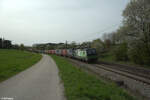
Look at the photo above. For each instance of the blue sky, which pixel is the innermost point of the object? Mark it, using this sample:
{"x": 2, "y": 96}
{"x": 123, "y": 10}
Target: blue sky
{"x": 41, "y": 21}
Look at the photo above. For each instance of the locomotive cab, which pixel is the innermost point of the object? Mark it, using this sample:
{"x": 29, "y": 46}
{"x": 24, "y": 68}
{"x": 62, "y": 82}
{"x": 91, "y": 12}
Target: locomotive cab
{"x": 91, "y": 55}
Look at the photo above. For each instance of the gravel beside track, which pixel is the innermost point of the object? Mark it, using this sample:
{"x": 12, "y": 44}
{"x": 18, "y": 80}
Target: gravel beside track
{"x": 137, "y": 70}
{"x": 135, "y": 86}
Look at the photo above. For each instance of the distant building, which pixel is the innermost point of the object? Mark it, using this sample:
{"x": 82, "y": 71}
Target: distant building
{"x": 7, "y": 44}
{"x": 48, "y": 46}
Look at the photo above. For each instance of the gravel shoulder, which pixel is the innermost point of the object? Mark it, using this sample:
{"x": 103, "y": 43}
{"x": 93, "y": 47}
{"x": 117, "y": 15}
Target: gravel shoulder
{"x": 40, "y": 82}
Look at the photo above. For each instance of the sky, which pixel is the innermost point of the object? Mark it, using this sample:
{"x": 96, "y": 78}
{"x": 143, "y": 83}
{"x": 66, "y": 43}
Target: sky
{"x": 43, "y": 21}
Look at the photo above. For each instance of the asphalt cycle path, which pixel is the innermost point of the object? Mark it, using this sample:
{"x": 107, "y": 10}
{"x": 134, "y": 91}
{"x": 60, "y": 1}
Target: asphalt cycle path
{"x": 39, "y": 82}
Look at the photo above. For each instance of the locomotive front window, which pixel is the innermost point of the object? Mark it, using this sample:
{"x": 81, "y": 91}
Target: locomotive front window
{"x": 91, "y": 52}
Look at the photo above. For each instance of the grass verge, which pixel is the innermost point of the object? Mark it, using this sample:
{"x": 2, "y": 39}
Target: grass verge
{"x": 14, "y": 61}
{"x": 80, "y": 85}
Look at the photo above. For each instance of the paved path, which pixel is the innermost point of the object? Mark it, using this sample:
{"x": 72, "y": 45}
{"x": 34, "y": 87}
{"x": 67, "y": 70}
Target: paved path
{"x": 40, "y": 82}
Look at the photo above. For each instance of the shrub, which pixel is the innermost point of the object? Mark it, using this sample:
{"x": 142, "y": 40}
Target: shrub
{"x": 120, "y": 52}
{"x": 139, "y": 55}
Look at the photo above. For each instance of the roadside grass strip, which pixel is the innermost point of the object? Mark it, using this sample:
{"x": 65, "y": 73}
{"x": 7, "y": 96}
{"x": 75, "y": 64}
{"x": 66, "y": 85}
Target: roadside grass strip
{"x": 80, "y": 85}
{"x": 15, "y": 61}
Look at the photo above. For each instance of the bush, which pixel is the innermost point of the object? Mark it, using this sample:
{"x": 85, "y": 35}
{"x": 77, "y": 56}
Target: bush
{"x": 135, "y": 56}
{"x": 139, "y": 55}
{"x": 120, "y": 52}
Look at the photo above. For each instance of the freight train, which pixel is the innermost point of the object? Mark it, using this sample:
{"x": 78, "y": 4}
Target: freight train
{"x": 87, "y": 54}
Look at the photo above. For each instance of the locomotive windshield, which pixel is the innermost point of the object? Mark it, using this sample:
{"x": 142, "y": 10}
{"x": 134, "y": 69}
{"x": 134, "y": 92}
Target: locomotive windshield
{"x": 91, "y": 52}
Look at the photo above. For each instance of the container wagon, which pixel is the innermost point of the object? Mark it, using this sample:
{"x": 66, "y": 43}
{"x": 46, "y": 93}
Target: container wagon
{"x": 64, "y": 52}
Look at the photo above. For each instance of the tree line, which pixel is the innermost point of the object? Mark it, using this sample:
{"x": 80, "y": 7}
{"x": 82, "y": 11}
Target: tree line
{"x": 5, "y": 44}
{"x": 131, "y": 42}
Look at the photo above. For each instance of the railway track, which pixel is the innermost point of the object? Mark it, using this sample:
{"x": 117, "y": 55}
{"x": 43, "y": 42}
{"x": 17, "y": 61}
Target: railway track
{"x": 139, "y": 71}
{"x": 135, "y": 81}
{"x": 138, "y": 77}
{"x": 138, "y": 74}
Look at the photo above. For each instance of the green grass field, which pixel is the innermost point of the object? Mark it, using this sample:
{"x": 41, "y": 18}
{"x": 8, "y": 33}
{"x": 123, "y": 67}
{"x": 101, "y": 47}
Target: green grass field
{"x": 14, "y": 61}
{"x": 80, "y": 85}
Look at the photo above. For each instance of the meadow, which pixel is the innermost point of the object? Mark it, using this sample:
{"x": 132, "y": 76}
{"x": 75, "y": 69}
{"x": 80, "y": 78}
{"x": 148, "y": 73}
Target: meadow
{"x": 15, "y": 61}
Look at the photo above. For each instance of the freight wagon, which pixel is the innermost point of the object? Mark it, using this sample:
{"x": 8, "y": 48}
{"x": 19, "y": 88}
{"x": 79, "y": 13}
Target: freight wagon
{"x": 87, "y": 54}
{"x": 71, "y": 53}
{"x": 58, "y": 51}
{"x": 64, "y": 52}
